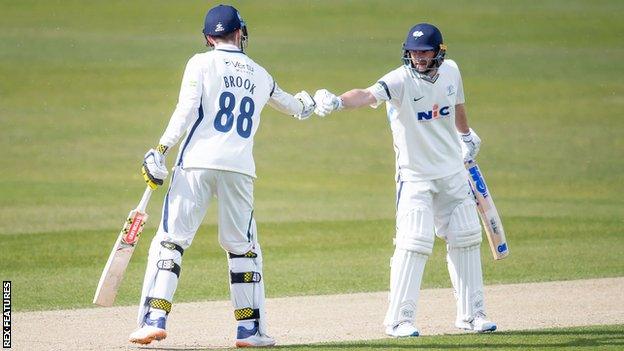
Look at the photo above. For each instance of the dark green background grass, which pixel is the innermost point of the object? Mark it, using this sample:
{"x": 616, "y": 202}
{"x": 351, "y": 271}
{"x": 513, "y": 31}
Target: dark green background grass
{"x": 86, "y": 88}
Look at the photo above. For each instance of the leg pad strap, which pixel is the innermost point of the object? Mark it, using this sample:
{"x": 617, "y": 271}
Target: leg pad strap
{"x": 172, "y": 246}
{"x": 169, "y": 265}
{"x": 245, "y": 277}
{"x": 249, "y": 254}
{"x": 246, "y": 313}
{"x": 160, "y": 304}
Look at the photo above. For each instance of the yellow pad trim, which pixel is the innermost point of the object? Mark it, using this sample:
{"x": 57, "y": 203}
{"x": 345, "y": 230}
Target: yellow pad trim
{"x": 162, "y": 149}
{"x": 246, "y": 313}
{"x": 160, "y": 304}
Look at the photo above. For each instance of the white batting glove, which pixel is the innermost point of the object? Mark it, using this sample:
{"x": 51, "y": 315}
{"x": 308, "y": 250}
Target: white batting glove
{"x": 471, "y": 144}
{"x": 154, "y": 169}
{"x": 326, "y": 102}
{"x": 308, "y": 105}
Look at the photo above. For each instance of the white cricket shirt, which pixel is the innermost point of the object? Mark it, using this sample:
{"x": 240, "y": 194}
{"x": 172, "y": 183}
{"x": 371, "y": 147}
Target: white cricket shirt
{"x": 422, "y": 118}
{"x": 222, "y": 94}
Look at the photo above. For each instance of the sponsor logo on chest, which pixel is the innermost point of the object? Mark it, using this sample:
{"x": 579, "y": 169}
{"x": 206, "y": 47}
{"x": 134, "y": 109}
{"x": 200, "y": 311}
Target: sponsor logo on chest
{"x": 436, "y": 112}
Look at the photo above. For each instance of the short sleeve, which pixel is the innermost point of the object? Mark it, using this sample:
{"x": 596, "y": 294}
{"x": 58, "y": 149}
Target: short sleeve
{"x": 388, "y": 88}
{"x": 450, "y": 67}
{"x": 273, "y": 85}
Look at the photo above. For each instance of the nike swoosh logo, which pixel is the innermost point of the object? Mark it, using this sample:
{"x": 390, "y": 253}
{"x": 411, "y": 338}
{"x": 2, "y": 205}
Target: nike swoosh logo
{"x": 415, "y": 99}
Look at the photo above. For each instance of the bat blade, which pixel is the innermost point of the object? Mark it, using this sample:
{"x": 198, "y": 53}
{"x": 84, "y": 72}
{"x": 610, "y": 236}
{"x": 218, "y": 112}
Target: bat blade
{"x": 118, "y": 259}
{"x": 488, "y": 213}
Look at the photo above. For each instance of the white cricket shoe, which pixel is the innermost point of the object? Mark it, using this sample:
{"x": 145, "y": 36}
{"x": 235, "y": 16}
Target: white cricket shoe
{"x": 402, "y": 330}
{"x": 252, "y": 337}
{"x": 152, "y": 329}
{"x": 478, "y": 324}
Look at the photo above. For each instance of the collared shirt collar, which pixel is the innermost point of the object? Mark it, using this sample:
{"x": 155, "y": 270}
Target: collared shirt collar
{"x": 227, "y": 47}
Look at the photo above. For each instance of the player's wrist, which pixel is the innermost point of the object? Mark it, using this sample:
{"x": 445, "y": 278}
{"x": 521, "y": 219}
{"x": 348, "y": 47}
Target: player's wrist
{"x": 162, "y": 149}
{"x": 467, "y": 136}
{"x": 338, "y": 103}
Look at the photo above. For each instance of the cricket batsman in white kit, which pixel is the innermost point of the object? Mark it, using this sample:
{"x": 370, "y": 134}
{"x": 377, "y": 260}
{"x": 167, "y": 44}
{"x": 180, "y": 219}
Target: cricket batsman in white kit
{"x": 425, "y": 107}
{"x": 222, "y": 94}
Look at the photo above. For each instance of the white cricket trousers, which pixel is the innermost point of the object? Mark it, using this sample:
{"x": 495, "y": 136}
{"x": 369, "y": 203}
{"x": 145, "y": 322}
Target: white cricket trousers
{"x": 189, "y": 196}
{"x": 445, "y": 204}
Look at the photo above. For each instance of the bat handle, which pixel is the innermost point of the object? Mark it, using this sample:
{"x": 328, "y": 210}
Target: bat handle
{"x": 145, "y": 199}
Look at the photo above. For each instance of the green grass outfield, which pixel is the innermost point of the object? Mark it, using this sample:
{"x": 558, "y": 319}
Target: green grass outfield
{"x": 585, "y": 338}
{"x": 322, "y": 258}
{"x": 85, "y": 89}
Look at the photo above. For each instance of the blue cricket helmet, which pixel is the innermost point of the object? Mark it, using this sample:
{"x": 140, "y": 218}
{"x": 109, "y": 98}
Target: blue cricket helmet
{"x": 424, "y": 37}
{"x": 224, "y": 19}
{"x": 221, "y": 20}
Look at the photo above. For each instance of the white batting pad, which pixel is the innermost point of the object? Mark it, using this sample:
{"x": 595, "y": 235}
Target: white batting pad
{"x": 415, "y": 231}
{"x": 158, "y": 283}
{"x": 166, "y": 282}
{"x": 406, "y": 273}
{"x": 249, "y": 295}
{"x": 464, "y": 229}
{"x": 464, "y": 266}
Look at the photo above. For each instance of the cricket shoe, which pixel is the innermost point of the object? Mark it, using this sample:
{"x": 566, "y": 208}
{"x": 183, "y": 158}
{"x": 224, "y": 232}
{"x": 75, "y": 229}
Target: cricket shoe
{"x": 402, "y": 330}
{"x": 152, "y": 329}
{"x": 252, "y": 337}
{"x": 478, "y": 324}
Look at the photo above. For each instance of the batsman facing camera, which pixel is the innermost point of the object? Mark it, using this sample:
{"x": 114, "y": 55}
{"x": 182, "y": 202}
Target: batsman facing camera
{"x": 424, "y": 100}
{"x": 424, "y": 37}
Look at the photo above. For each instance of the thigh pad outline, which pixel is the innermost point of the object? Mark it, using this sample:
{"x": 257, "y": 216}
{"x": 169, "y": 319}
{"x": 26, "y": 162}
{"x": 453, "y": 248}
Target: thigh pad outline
{"x": 415, "y": 231}
{"x": 464, "y": 229}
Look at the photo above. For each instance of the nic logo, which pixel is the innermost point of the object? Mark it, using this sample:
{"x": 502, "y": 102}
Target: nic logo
{"x": 478, "y": 180}
{"x": 434, "y": 113}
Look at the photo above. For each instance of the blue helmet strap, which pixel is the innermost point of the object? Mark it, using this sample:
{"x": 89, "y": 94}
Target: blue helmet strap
{"x": 244, "y": 36}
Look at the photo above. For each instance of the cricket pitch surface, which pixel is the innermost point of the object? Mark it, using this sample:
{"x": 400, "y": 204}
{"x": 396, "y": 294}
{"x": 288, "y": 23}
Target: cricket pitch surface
{"x": 324, "y": 318}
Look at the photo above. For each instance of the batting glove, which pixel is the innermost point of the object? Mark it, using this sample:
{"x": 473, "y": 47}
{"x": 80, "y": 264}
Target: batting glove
{"x": 471, "y": 145}
{"x": 326, "y": 102}
{"x": 154, "y": 169}
{"x": 308, "y": 105}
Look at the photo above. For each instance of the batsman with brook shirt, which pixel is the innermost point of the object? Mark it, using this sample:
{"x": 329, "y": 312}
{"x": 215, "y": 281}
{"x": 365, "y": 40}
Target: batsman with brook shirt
{"x": 223, "y": 92}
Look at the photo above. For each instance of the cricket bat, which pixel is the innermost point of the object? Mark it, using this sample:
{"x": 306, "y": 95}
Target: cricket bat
{"x": 122, "y": 252}
{"x": 487, "y": 212}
